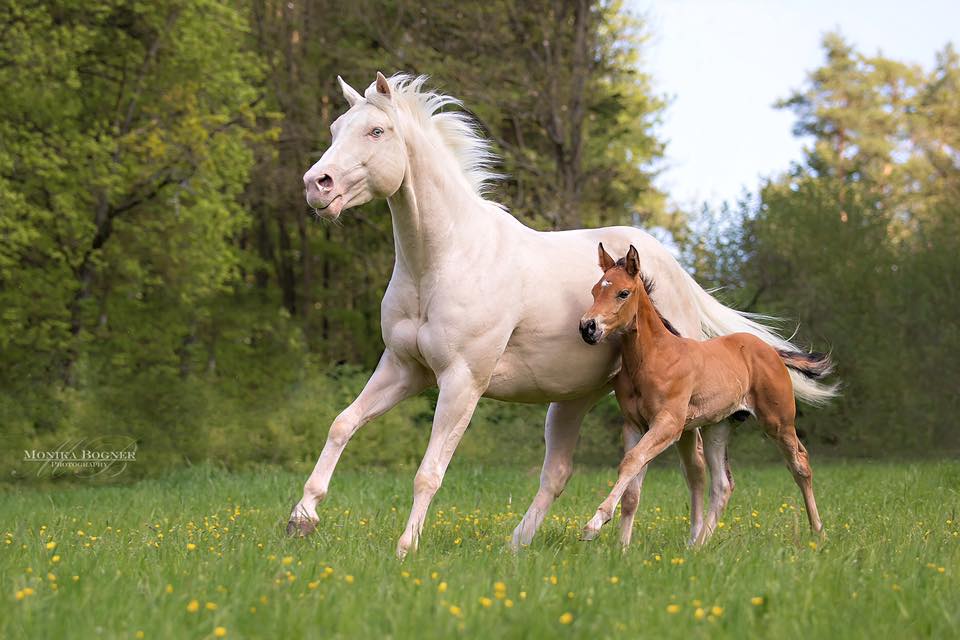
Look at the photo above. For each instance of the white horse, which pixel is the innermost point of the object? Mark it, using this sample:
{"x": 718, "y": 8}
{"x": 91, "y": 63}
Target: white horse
{"x": 466, "y": 309}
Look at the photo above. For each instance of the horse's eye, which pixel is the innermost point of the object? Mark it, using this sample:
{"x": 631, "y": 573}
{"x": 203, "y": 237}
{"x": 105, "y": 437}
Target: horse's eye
{"x": 623, "y": 294}
{"x": 376, "y": 132}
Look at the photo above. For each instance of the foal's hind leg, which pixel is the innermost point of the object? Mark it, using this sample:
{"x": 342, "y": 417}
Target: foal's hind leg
{"x": 715, "y": 438}
{"x": 798, "y": 462}
{"x": 631, "y": 497}
{"x": 690, "y": 449}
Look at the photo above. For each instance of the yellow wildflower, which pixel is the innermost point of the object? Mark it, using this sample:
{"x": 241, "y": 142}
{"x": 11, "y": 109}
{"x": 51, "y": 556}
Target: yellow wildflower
{"x": 220, "y": 632}
{"x": 287, "y": 561}
{"x": 486, "y": 602}
{"x": 716, "y": 610}
{"x": 699, "y": 613}
{"x": 51, "y": 545}
{"x": 193, "y": 606}
{"x": 455, "y": 611}
{"x": 211, "y": 606}
{"x": 442, "y": 587}
{"x": 566, "y": 618}
{"x": 756, "y": 601}
{"x": 673, "y": 608}
{"x": 191, "y": 546}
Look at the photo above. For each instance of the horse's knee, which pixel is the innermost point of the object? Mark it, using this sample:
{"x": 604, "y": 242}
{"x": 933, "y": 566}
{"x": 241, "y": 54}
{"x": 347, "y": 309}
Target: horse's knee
{"x": 554, "y": 479}
{"x": 341, "y": 430}
{"x": 426, "y": 482}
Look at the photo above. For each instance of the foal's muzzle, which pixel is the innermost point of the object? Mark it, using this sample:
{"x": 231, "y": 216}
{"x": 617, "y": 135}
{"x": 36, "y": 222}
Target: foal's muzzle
{"x": 589, "y": 331}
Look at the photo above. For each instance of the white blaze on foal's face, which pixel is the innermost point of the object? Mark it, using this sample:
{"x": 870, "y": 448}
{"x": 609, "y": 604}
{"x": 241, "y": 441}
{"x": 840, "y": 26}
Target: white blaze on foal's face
{"x": 366, "y": 158}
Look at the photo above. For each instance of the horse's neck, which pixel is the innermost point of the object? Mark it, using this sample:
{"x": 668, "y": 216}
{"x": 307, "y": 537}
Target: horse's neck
{"x": 433, "y": 209}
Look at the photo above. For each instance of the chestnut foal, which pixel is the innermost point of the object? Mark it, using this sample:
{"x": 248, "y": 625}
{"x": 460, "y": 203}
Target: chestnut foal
{"x": 668, "y": 384}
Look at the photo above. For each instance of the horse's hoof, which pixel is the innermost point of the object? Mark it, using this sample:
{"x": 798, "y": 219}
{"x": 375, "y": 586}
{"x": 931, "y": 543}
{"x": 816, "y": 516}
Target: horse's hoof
{"x": 588, "y": 534}
{"x": 300, "y": 527}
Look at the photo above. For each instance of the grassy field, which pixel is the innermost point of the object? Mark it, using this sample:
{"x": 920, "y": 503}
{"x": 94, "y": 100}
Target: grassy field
{"x": 201, "y": 554}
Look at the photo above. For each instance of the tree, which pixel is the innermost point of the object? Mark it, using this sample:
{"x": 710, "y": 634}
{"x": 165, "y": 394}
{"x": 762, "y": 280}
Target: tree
{"x": 124, "y": 147}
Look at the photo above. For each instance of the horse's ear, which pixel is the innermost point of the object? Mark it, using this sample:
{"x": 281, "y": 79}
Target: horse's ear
{"x": 351, "y": 94}
{"x": 606, "y": 262}
{"x": 383, "y": 87}
{"x": 632, "y": 262}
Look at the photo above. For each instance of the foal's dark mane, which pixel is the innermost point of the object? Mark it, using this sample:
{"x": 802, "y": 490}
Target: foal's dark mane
{"x": 649, "y": 285}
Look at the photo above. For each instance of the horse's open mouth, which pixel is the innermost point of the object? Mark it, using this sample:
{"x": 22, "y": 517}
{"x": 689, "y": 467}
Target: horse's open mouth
{"x": 327, "y": 206}
{"x": 332, "y": 209}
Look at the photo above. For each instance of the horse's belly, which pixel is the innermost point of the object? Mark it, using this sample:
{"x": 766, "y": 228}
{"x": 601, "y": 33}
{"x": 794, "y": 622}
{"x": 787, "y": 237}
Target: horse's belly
{"x": 543, "y": 373}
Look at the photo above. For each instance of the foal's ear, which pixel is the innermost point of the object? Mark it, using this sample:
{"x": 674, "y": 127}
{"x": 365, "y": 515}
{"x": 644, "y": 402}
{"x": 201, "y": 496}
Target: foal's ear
{"x": 352, "y": 95}
{"x": 606, "y": 262}
{"x": 383, "y": 87}
{"x": 632, "y": 262}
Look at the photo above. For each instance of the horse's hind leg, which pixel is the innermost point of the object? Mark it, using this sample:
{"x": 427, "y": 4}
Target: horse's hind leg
{"x": 799, "y": 464}
{"x": 631, "y": 497}
{"x": 560, "y": 432}
{"x": 715, "y": 438}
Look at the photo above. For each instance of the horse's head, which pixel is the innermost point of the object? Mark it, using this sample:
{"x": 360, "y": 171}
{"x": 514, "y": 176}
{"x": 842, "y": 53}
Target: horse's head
{"x": 610, "y": 311}
{"x": 366, "y": 158}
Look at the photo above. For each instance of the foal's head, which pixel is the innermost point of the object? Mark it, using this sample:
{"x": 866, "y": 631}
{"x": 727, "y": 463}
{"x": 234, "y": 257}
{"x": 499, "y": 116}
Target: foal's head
{"x": 611, "y": 310}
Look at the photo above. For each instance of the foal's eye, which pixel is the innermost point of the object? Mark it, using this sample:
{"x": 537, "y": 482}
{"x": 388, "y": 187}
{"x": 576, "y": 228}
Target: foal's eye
{"x": 376, "y": 132}
{"x": 623, "y": 294}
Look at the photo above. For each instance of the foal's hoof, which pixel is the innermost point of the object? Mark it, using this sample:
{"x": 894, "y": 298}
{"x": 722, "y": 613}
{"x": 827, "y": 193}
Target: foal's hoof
{"x": 300, "y": 527}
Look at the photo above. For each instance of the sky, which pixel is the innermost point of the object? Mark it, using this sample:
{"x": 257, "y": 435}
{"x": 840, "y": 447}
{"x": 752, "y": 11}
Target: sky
{"x": 724, "y": 63}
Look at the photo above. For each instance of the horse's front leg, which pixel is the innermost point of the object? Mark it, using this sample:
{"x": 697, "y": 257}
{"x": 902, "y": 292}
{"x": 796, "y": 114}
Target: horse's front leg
{"x": 459, "y": 393}
{"x": 392, "y": 381}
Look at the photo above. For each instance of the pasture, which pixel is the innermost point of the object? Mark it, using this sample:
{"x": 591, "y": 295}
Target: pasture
{"x": 201, "y": 553}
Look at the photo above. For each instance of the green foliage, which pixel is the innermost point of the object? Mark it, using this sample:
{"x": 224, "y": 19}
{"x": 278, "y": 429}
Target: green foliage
{"x": 160, "y": 276}
{"x": 860, "y": 243}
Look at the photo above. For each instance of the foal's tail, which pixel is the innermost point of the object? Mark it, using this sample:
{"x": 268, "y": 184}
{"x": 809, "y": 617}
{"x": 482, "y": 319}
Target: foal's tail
{"x": 717, "y": 320}
{"x": 812, "y": 365}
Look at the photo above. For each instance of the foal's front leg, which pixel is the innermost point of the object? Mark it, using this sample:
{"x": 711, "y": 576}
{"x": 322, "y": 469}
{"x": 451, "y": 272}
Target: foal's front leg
{"x": 664, "y": 431}
{"x": 631, "y": 497}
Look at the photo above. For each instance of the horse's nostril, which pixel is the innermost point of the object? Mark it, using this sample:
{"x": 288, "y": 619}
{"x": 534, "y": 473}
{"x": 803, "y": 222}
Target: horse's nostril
{"x": 324, "y": 182}
{"x": 591, "y": 326}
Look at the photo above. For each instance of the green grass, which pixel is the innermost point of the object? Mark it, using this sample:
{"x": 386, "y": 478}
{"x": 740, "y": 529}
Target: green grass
{"x": 890, "y": 563}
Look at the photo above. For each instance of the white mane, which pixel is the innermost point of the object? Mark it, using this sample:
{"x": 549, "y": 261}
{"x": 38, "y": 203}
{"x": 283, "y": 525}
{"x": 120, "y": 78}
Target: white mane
{"x": 456, "y": 130}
